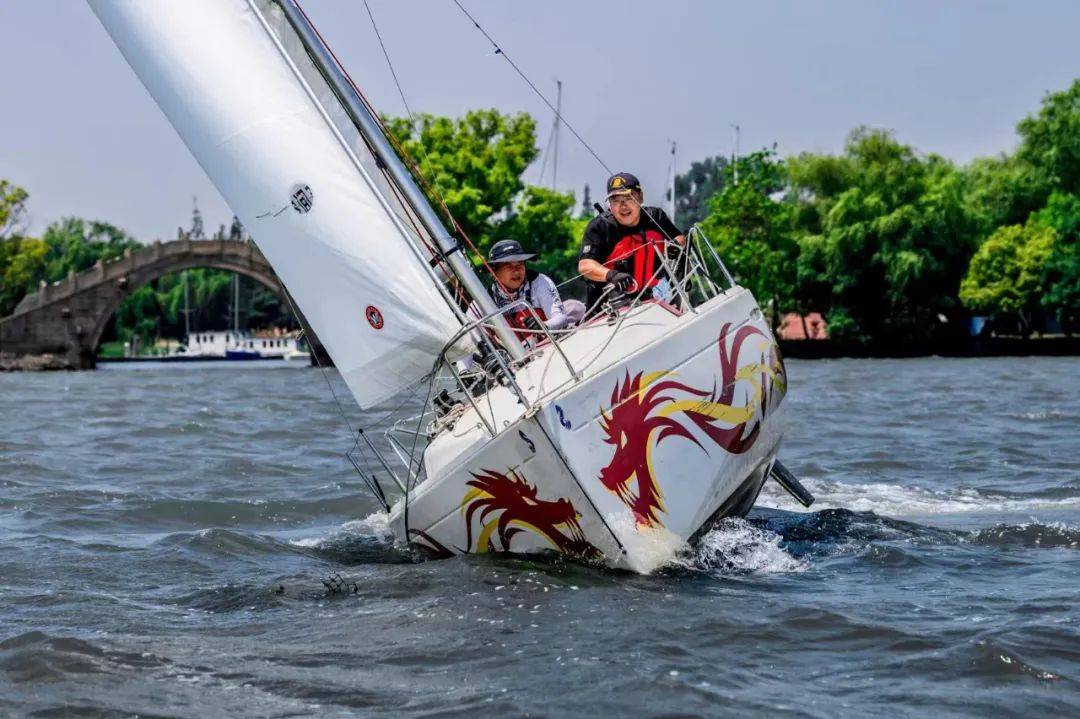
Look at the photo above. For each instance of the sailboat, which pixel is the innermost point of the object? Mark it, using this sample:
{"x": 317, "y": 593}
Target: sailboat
{"x": 618, "y": 442}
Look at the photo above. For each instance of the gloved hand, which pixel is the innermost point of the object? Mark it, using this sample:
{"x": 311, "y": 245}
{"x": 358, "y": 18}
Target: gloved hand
{"x": 619, "y": 280}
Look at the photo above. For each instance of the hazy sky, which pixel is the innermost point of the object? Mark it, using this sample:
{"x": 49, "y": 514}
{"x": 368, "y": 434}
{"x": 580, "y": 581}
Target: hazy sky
{"x": 80, "y": 133}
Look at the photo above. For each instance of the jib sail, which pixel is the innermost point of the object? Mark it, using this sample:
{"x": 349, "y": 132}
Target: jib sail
{"x": 235, "y": 82}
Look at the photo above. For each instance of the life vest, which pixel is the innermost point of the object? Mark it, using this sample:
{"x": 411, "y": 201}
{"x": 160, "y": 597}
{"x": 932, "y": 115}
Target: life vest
{"x": 517, "y": 321}
{"x": 637, "y": 257}
{"x": 518, "y": 317}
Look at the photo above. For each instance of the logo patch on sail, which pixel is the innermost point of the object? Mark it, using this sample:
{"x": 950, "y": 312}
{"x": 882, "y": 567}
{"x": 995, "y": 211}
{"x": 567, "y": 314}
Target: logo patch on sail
{"x": 374, "y": 317}
{"x": 302, "y": 198}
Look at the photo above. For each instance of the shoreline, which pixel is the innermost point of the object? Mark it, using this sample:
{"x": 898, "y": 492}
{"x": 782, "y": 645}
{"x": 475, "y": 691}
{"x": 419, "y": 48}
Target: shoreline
{"x": 973, "y": 347}
{"x": 791, "y": 349}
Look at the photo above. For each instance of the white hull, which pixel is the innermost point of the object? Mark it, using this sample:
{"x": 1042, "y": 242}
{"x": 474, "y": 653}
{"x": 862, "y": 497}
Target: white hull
{"x": 671, "y": 425}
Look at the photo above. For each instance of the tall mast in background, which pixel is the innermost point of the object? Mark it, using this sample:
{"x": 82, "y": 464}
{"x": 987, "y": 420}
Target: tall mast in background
{"x": 187, "y": 307}
{"x": 735, "y": 155}
{"x": 555, "y": 135}
{"x": 671, "y": 187}
{"x": 236, "y": 304}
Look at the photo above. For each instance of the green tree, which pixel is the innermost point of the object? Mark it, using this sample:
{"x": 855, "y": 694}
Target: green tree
{"x": 542, "y": 220}
{"x": 76, "y": 244}
{"x": 22, "y": 259}
{"x": 1006, "y": 273}
{"x": 815, "y": 183}
{"x": 754, "y": 233}
{"x": 1051, "y": 139}
{"x": 888, "y": 238}
{"x": 12, "y": 208}
{"x": 140, "y": 314}
{"x": 22, "y": 264}
{"x": 1003, "y": 190}
{"x": 475, "y": 162}
{"x": 696, "y": 187}
{"x": 1062, "y": 272}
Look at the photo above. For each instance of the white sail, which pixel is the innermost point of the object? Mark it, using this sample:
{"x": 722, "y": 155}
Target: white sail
{"x": 270, "y": 136}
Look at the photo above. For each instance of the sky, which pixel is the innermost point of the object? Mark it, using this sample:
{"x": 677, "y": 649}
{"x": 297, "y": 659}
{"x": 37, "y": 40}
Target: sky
{"x": 79, "y": 132}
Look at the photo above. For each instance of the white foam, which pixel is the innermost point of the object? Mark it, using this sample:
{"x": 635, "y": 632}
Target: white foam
{"x": 1041, "y": 416}
{"x": 735, "y": 545}
{"x": 898, "y": 500}
{"x": 376, "y": 524}
{"x": 648, "y": 549}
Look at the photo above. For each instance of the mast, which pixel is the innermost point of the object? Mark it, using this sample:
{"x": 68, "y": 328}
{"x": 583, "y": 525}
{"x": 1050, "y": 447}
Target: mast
{"x": 555, "y": 139}
{"x": 369, "y": 126}
{"x": 236, "y": 304}
{"x": 187, "y": 308}
{"x": 672, "y": 186}
{"x": 735, "y": 155}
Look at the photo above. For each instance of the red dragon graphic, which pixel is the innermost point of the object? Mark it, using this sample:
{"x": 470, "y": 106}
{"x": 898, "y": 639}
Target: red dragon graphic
{"x": 518, "y": 509}
{"x": 641, "y": 417}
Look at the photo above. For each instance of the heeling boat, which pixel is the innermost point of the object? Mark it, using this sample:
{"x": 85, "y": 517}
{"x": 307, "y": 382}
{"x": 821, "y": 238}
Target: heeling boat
{"x": 617, "y": 442}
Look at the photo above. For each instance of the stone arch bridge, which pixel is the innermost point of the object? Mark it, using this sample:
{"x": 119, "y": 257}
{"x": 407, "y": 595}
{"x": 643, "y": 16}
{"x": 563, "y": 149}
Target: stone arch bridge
{"x": 66, "y": 319}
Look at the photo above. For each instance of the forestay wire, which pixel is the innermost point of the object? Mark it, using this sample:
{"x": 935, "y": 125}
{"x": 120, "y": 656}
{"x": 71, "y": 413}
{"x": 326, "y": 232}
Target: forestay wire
{"x": 411, "y": 474}
{"x": 404, "y": 101}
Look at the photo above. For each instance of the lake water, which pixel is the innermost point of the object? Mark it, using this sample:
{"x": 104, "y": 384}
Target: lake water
{"x": 165, "y": 532}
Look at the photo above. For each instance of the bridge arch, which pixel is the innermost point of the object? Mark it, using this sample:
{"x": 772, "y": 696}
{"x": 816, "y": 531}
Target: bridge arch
{"x": 147, "y": 275}
{"x": 67, "y": 318}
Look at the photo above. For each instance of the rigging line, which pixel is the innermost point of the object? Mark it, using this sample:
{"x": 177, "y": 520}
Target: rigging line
{"x": 405, "y": 157}
{"x": 409, "y": 476}
{"x": 558, "y": 115}
{"x": 341, "y": 410}
{"x": 401, "y": 93}
{"x": 437, "y": 191}
{"x": 296, "y": 315}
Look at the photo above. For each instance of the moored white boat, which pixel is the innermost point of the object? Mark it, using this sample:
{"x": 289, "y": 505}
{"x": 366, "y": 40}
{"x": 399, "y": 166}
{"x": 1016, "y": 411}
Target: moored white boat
{"x": 233, "y": 344}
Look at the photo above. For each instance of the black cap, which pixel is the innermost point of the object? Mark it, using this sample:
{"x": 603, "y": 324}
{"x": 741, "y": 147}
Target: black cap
{"x": 508, "y": 251}
{"x": 622, "y": 183}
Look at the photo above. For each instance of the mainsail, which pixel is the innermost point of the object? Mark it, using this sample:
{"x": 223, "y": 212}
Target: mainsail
{"x": 236, "y": 84}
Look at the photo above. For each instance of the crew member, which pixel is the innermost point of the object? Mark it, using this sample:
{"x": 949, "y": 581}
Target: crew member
{"x": 619, "y": 247}
{"x": 514, "y": 281}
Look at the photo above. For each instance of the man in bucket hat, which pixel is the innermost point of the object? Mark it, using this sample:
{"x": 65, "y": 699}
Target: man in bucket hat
{"x": 619, "y": 246}
{"x": 514, "y": 281}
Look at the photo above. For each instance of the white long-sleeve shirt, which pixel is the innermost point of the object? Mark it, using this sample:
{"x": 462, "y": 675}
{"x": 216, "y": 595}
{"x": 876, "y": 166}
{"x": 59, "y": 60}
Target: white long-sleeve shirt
{"x": 542, "y": 294}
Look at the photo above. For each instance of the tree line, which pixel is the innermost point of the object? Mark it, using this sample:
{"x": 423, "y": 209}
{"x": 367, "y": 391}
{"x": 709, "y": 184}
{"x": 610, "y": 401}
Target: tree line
{"x": 891, "y": 245}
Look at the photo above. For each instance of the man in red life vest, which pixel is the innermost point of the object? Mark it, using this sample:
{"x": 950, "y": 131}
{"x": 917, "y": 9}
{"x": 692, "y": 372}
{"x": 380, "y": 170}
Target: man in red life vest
{"x": 513, "y": 282}
{"x": 620, "y": 246}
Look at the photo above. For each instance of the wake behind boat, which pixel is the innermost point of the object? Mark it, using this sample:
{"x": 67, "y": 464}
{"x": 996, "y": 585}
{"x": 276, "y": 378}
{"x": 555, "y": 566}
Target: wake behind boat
{"x": 617, "y": 441}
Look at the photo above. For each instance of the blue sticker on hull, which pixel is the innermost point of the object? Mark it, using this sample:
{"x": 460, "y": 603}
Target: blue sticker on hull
{"x": 532, "y": 445}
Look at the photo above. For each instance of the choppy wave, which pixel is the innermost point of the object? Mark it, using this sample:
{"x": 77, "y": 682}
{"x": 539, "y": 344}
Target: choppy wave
{"x": 360, "y": 541}
{"x": 39, "y": 657}
{"x": 783, "y": 542}
{"x": 991, "y": 659}
{"x": 1029, "y": 534}
{"x": 737, "y": 546}
{"x": 900, "y": 500}
{"x": 1050, "y": 415}
{"x": 376, "y": 525}
{"x": 224, "y": 542}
